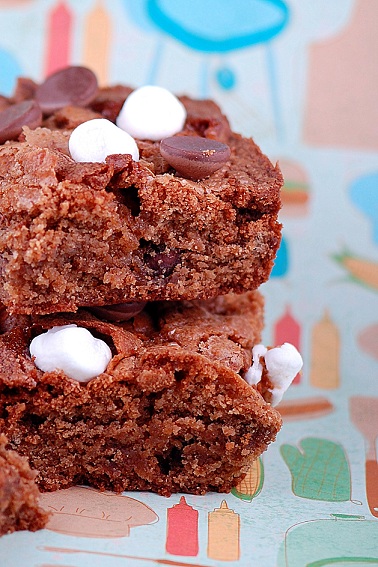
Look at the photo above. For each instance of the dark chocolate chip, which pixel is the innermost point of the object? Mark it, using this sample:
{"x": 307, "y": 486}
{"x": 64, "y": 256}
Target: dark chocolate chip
{"x": 163, "y": 263}
{"x": 119, "y": 312}
{"x": 75, "y": 86}
{"x": 194, "y": 157}
{"x": 13, "y": 118}
{"x": 159, "y": 258}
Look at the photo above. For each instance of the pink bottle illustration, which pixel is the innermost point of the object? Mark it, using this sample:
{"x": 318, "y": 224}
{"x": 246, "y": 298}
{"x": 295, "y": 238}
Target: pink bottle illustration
{"x": 288, "y": 330}
{"x": 59, "y": 37}
{"x": 182, "y": 529}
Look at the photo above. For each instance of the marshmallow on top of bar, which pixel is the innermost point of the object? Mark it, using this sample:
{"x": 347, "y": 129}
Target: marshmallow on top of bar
{"x": 149, "y": 113}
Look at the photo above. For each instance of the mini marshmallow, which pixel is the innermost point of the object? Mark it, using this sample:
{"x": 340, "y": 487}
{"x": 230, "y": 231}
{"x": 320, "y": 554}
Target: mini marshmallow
{"x": 94, "y": 140}
{"x": 282, "y": 364}
{"x": 152, "y": 113}
{"x": 253, "y": 375}
{"x": 72, "y": 349}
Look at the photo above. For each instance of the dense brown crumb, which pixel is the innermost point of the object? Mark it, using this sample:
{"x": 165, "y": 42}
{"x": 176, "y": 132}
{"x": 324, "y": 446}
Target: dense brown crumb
{"x": 171, "y": 412}
{"x": 75, "y": 234}
{"x": 19, "y": 509}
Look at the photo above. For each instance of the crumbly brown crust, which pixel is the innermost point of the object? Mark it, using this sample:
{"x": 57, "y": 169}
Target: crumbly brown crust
{"x": 76, "y": 234}
{"x": 19, "y": 509}
{"x": 171, "y": 412}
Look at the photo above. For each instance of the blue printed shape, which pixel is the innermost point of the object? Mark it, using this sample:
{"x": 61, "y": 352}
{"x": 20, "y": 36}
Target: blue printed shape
{"x": 137, "y": 11}
{"x": 281, "y": 264}
{"x": 9, "y": 71}
{"x": 226, "y": 78}
{"x": 219, "y": 25}
{"x": 364, "y": 194}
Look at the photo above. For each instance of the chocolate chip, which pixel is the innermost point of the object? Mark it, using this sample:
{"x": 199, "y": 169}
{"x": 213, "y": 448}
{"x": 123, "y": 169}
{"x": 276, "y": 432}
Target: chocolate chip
{"x": 75, "y": 86}
{"x": 119, "y": 312}
{"x": 13, "y": 118}
{"x": 194, "y": 157}
{"x": 158, "y": 258}
{"x": 162, "y": 262}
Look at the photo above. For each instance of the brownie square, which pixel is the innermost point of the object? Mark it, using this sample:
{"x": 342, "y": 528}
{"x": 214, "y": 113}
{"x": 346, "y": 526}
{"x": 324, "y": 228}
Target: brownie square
{"x": 83, "y": 234}
{"x": 171, "y": 413}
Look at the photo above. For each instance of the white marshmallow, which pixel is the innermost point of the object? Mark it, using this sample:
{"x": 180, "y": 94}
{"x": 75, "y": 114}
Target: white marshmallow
{"x": 94, "y": 140}
{"x": 253, "y": 375}
{"x": 152, "y": 113}
{"x": 282, "y": 363}
{"x": 72, "y": 349}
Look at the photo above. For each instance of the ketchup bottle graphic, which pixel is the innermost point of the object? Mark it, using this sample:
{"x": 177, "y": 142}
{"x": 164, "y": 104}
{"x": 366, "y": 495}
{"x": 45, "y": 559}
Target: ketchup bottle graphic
{"x": 288, "y": 330}
{"x": 59, "y": 37}
{"x": 182, "y": 529}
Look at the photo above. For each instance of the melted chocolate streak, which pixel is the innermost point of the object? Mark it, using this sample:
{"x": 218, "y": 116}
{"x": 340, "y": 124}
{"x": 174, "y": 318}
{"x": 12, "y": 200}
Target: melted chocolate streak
{"x": 105, "y": 554}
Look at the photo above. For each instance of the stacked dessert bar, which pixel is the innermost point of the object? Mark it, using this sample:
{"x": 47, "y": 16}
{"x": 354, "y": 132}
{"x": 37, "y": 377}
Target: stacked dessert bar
{"x": 19, "y": 495}
{"x": 136, "y": 229}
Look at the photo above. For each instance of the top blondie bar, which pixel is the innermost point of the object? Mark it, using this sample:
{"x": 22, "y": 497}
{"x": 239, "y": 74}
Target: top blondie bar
{"x": 90, "y": 233}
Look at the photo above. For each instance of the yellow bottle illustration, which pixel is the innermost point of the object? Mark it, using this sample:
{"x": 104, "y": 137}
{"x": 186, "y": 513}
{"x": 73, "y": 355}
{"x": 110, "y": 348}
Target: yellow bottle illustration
{"x": 223, "y": 534}
{"x": 325, "y": 354}
{"x": 97, "y": 38}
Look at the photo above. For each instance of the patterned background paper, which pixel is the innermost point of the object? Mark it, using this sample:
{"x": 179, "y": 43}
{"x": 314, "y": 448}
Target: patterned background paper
{"x": 301, "y": 78}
